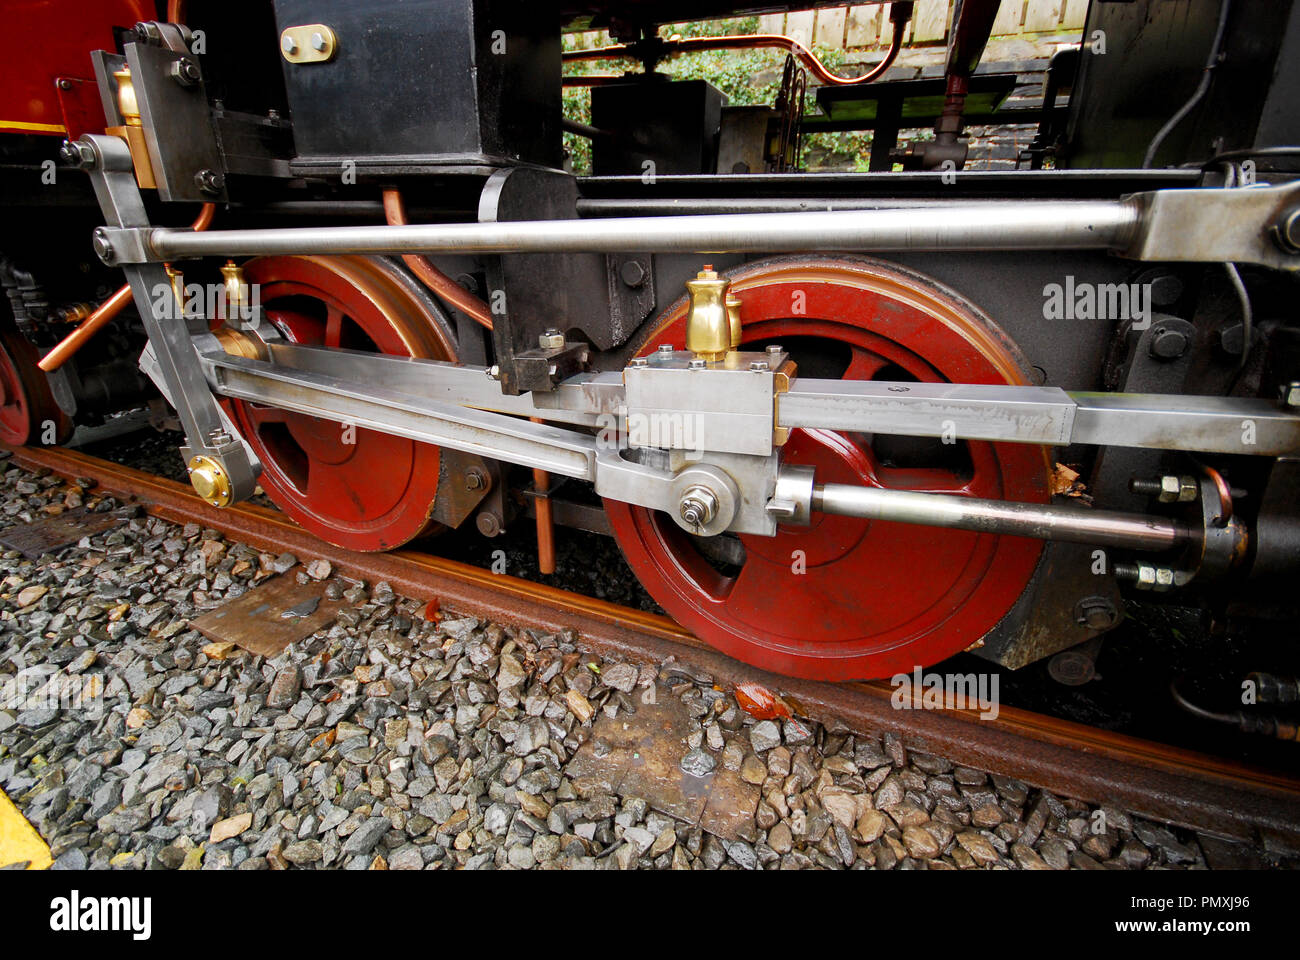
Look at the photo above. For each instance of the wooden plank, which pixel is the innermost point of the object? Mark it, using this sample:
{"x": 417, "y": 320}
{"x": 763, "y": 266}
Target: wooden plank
{"x": 1076, "y": 14}
{"x": 1010, "y": 16}
{"x": 930, "y": 22}
{"x": 829, "y": 31}
{"x": 271, "y": 616}
{"x": 863, "y": 29}
{"x": 1043, "y": 16}
{"x": 800, "y": 26}
{"x": 772, "y": 23}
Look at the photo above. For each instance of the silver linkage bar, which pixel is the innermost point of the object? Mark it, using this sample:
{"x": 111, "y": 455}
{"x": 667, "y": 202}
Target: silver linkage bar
{"x": 1239, "y": 225}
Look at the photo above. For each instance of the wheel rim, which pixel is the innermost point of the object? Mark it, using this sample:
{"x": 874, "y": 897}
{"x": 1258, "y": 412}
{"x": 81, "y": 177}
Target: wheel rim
{"x": 15, "y": 416}
{"x": 376, "y": 492}
{"x": 874, "y": 598}
{"x": 26, "y": 403}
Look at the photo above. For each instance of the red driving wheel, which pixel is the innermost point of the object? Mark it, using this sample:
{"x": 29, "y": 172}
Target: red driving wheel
{"x": 26, "y": 404}
{"x": 847, "y": 598}
{"x": 356, "y": 488}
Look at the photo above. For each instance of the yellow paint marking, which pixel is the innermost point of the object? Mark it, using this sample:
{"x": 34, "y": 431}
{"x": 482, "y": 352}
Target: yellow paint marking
{"x": 19, "y": 840}
{"x": 10, "y": 126}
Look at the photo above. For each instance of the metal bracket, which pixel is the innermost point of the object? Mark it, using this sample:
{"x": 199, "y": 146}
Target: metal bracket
{"x": 207, "y": 432}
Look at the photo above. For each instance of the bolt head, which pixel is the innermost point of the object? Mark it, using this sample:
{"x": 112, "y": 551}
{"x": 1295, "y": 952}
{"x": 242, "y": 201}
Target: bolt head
{"x": 759, "y": 366}
{"x": 697, "y": 364}
{"x": 493, "y": 372}
{"x": 698, "y": 506}
{"x": 318, "y": 42}
{"x": 632, "y": 273}
{"x": 1291, "y": 394}
{"x": 288, "y": 44}
{"x": 551, "y": 340}
{"x": 1170, "y": 488}
{"x": 1146, "y": 578}
{"x": 1287, "y": 231}
{"x": 665, "y": 348}
{"x": 774, "y": 349}
{"x": 640, "y": 362}
{"x": 103, "y": 247}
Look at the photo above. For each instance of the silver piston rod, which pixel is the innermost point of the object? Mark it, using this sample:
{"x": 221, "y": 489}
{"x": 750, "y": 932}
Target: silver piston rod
{"x": 1106, "y": 528}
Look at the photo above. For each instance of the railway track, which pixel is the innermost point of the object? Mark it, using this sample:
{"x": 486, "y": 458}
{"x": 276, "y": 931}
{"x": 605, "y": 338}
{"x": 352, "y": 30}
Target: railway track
{"x": 1176, "y": 786}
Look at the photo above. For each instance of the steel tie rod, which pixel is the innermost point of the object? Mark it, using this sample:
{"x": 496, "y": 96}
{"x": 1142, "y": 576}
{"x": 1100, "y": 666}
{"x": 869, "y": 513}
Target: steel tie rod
{"x": 1108, "y": 528}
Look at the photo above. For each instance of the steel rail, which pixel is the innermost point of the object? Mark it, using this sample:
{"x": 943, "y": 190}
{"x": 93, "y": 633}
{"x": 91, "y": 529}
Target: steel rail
{"x": 1168, "y": 784}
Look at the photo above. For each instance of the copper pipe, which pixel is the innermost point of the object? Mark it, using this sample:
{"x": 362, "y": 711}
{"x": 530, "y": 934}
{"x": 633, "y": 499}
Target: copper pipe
{"x": 545, "y": 525}
{"x": 106, "y": 311}
{"x": 437, "y": 281}
{"x": 175, "y": 11}
{"x": 689, "y": 44}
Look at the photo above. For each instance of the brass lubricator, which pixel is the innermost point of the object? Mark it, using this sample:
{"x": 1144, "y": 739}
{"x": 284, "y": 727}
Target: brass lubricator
{"x": 708, "y": 324}
{"x": 133, "y": 130}
{"x": 236, "y": 288}
{"x": 210, "y": 481}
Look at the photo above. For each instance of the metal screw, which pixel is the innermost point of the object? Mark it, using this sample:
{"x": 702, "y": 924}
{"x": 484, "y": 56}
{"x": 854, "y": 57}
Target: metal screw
{"x": 209, "y": 181}
{"x": 774, "y": 349}
{"x": 758, "y": 366}
{"x": 665, "y": 348}
{"x": 551, "y": 340}
{"x": 1291, "y": 395}
{"x": 65, "y": 84}
{"x": 697, "y": 364}
{"x": 488, "y": 523}
{"x": 698, "y": 506}
{"x": 640, "y": 362}
{"x": 318, "y": 42}
{"x": 288, "y": 44}
{"x": 493, "y": 372}
{"x": 474, "y": 479}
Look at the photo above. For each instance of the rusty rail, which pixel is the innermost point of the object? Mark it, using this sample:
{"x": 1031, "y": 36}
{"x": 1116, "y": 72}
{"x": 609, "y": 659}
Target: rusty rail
{"x": 1168, "y": 784}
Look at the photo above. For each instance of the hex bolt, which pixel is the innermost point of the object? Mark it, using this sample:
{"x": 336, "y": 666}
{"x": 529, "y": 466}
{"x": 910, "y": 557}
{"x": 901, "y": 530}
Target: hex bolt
{"x": 759, "y": 366}
{"x": 665, "y": 348}
{"x": 551, "y": 340}
{"x": 632, "y": 273}
{"x": 774, "y": 349}
{"x": 209, "y": 181}
{"x": 288, "y": 44}
{"x": 697, "y": 364}
{"x": 474, "y": 479}
{"x": 639, "y": 362}
{"x": 493, "y": 372}
{"x": 77, "y": 154}
{"x": 1168, "y": 489}
{"x": 186, "y": 72}
{"x": 318, "y": 42}
{"x": 698, "y": 506}
{"x": 1291, "y": 395}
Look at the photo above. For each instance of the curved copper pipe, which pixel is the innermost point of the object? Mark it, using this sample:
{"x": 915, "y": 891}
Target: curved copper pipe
{"x": 175, "y": 11}
{"x": 545, "y": 523}
{"x": 107, "y": 310}
{"x": 437, "y": 281}
{"x": 688, "y": 44}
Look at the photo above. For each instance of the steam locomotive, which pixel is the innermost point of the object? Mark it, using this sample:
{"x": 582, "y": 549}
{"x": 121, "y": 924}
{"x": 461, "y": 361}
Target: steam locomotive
{"x": 840, "y": 424}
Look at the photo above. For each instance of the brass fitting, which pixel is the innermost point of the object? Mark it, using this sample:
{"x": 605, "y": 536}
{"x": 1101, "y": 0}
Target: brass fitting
{"x": 708, "y": 327}
{"x": 210, "y": 481}
{"x": 133, "y": 131}
{"x": 236, "y": 288}
{"x": 733, "y": 316}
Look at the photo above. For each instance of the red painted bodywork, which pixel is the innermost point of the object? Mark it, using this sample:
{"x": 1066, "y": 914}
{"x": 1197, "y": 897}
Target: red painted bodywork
{"x": 49, "y": 40}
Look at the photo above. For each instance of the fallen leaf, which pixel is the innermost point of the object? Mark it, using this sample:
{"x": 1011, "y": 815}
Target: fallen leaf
{"x": 760, "y": 702}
